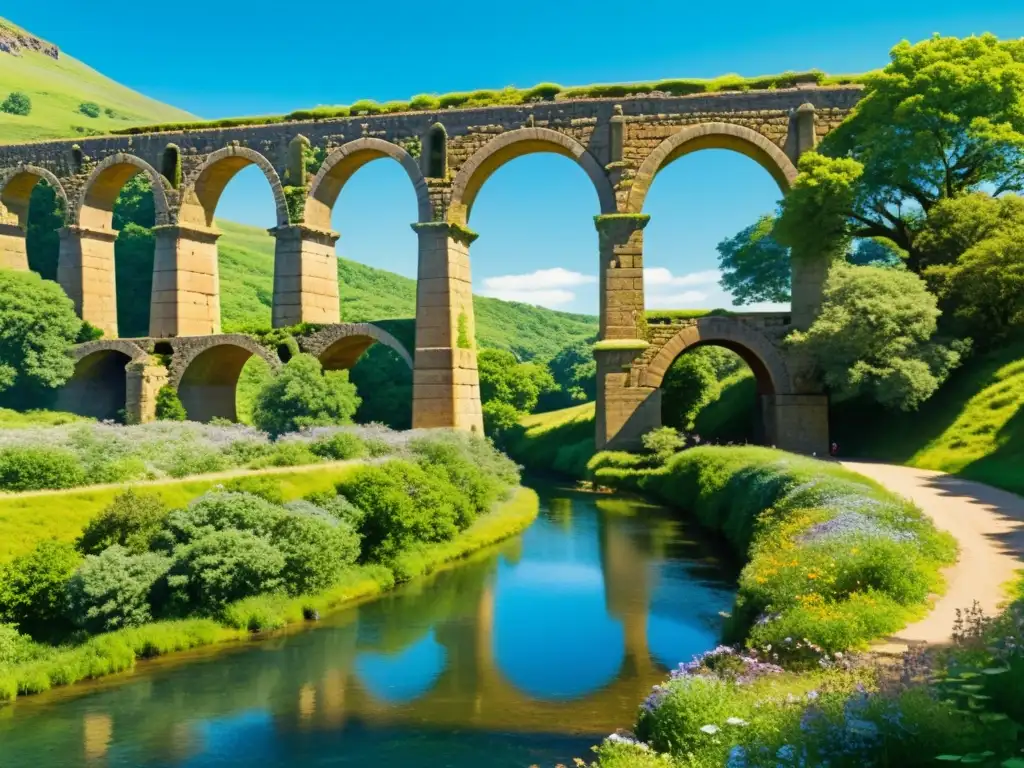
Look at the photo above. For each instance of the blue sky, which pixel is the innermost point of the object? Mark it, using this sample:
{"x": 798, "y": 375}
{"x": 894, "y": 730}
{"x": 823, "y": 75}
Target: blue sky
{"x": 227, "y": 58}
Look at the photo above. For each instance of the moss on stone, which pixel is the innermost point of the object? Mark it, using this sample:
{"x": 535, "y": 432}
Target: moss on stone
{"x": 463, "y": 341}
{"x": 295, "y": 199}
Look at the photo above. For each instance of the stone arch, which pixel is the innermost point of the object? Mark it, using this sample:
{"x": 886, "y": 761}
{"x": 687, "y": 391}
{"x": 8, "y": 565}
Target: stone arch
{"x": 512, "y": 144}
{"x": 95, "y": 207}
{"x": 730, "y": 136}
{"x": 16, "y": 190}
{"x": 99, "y": 386}
{"x": 338, "y": 168}
{"x": 205, "y": 371}
{"x": 756, "y": 349}
{"x": 205, "y": 186}
{"x": 338, "y": 347}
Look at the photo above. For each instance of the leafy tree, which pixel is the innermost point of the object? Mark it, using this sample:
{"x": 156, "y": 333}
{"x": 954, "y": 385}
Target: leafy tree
{"x": 874, "y": 337}
{"x": 301, "y": 395}
{"x": 943, "y": 119}
{"x": 42, "y": 241}
{"x": 874, "y": 252}
{"x": 575, "y": 373}
{"x": 384, "y": 383}
{"x": 755, "y": 267}
{"x": 37, "y": 327}
{"x": 986, "y": 285}
{"x": 17, "y": 103}
{"x": 32, "y": 588}
{"x": 501, "y": 422}
{"x": 169, "y": 406}
{"x": 504, "y": 379}
{"x": 663, "y": 443}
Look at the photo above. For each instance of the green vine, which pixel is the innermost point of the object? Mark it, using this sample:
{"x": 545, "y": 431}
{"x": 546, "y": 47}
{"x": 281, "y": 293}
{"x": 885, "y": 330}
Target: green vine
{"x": 463, "y": 341}
{"x": 295, "y": 199}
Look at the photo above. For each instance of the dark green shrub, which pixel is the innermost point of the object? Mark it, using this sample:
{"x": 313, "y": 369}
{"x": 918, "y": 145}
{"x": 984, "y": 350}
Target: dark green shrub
{"x": 30, "y": 469}
{"x": 469, "y": 463}
{"x": 404, "y": 505}
{"x": 315, "y": 551}
{"x": 131, "y": 520}
{"x": 339, "y": 446}
{"x": 223, "y": 566}
{"x": 265, "y": 486}
{"x": 89, "y": 108}
{"x": 501, "y": 422}
{"x": 15, "y": 647}
{"x": 168, "y": 405}
{"x": 218, "y": 511}
{"x": 88, "y": 332}
{"x": 337, "y": 506}
{"x": 17, "y": 103}
{"x": 32, "y": 589}
{"x": 301, "y": 395}
{"x": 542, "y": 92}
{"x": 112, "y": 590}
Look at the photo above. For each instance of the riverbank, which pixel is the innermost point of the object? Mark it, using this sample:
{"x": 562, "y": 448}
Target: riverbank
{"x": 118, "y": 651}
{"x": 831, "y": 556}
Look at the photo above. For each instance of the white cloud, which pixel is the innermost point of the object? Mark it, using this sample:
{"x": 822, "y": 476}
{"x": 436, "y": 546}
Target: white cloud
{"x": 656, "y": 278}
{"x": 545, "y": 287}
{"x": 684, "y": 300}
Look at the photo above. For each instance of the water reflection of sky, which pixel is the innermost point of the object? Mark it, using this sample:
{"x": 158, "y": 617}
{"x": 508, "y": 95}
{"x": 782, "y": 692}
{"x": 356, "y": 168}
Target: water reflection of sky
{"x": 403, "y": 676}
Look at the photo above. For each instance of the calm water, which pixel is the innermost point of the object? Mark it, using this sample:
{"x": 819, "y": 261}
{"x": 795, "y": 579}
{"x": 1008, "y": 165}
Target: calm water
{"x": 527, "y": 654}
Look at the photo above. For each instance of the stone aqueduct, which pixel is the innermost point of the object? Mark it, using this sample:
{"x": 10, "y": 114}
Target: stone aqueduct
{"x": 620, "y": 143}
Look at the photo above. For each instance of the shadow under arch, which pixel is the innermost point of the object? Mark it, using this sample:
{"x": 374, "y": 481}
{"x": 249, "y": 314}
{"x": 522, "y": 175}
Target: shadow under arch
{"x": 205, "y": 372}
{"x": 205, "y": 186}
{"x": 95, "y": 207}
{"x": 508, "y": 146}
{"x": 342, "y": 163}
{"x": 737, "y": 138}
{"x": 99, "y": 386}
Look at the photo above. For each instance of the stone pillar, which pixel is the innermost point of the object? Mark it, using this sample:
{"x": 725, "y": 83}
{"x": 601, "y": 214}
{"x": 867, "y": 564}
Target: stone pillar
{"x": 446, "y": 387}
{"x": 305, "y": 276}
{"x": 809, "y": 273}
{"x": 186, "y": 282}
{"x": 85, "y": 270}
{"x": 624, "y": 411}
{"x": 13, "y": 253}
{"x": 798, "y": 423}
{"x": 806, "y": 133}
{"x": 621, "y": 242}
{"x": 143, "y": 383}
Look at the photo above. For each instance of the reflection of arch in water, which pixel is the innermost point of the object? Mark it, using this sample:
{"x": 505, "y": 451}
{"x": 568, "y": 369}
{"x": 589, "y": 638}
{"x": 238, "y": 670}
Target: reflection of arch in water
{"x": 553, "y": 638}
{"x": 404, "y": 676}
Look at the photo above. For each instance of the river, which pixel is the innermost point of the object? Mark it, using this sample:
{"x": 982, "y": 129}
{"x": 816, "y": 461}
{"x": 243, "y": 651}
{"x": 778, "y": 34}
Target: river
{"x": 526, "y": 654}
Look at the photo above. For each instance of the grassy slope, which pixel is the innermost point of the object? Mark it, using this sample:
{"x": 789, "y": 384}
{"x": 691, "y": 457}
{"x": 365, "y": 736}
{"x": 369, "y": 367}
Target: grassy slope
{"x": 973, "y": 426}
{"x": 57, "y": 87}
{"x": 247, "y": 267}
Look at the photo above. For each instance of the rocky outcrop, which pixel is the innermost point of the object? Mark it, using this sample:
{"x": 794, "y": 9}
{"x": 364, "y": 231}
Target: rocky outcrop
{"x": 15, "y": 41}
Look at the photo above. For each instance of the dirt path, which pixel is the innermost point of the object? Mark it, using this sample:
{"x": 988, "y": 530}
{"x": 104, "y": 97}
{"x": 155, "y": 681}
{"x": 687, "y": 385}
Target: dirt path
{"x": 989, "y": 526}
{"x": 225, "y": 475}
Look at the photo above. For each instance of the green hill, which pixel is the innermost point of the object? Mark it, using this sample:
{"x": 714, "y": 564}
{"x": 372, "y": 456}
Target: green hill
{"x": 58, "y": 84}
{"x": 247, "y": 269}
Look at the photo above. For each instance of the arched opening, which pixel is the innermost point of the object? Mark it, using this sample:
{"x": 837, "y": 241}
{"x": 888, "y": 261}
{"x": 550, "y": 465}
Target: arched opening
{"x": 109, "y": 271}
{"x": 533, "y": 201}
{"x": 209, "y": 385}
{"x": 32, "y": 210}
{"x": 712, "y": 393}
{"x": 435, "y": 152}
{"x": 741, "y": 352}
{"x": 98, "y": 387}
{"x": 711, "y": 192}
{"x": 371, "y": 204}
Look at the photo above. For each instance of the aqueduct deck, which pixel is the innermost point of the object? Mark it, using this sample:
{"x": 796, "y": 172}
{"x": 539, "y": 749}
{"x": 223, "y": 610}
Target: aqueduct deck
{"x": 620, "y": 143}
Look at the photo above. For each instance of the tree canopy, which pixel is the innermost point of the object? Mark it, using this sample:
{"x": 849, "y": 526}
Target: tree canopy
{"x": 874, "y": 337}
{"x": 755, "y": 267}
{"x": 942, "y": 119}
